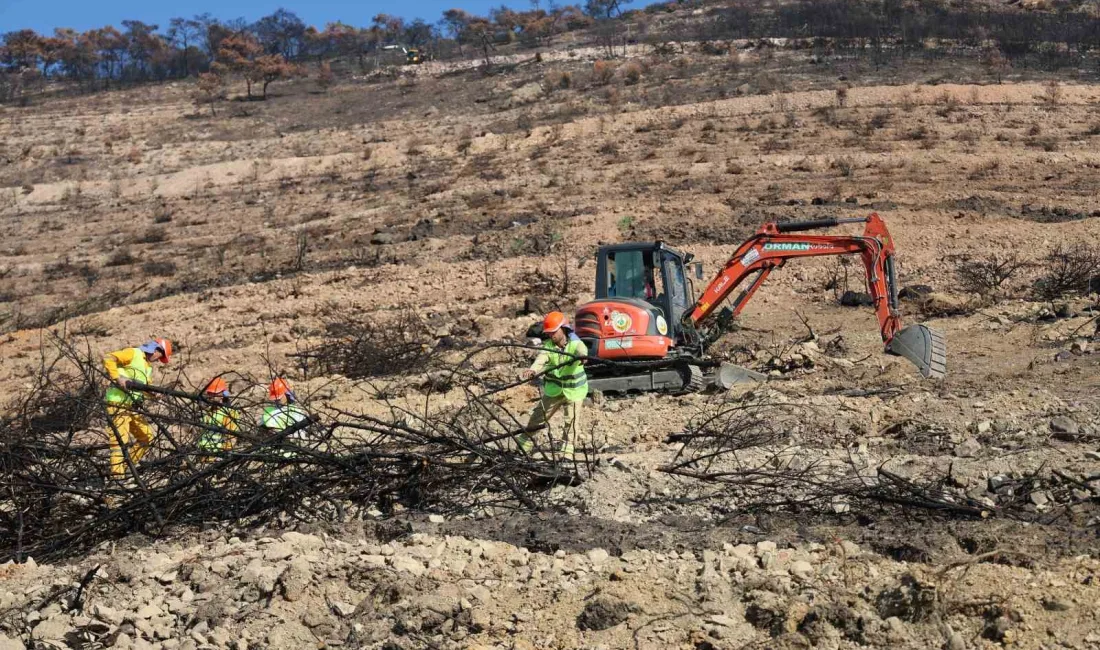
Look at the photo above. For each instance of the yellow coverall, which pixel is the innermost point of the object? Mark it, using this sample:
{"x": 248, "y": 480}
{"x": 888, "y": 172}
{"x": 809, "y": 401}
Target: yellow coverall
{"x": 130, "y": 363}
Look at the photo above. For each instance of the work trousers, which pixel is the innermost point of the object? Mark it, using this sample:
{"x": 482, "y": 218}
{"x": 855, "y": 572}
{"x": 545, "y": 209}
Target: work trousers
{"x": 130, "y": 426}
{"x": 546, "y": 409}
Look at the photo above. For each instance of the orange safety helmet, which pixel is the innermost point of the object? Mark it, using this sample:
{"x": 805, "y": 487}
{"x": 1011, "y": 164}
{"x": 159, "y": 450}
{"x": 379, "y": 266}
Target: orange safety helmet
{"x": 553, "y": 322}
{"x": 217, "y": 386}
{"x": 166, "y": 347}
{"x": 278, "y": 389}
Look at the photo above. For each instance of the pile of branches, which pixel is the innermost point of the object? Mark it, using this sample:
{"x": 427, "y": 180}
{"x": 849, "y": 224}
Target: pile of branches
{"x": 360, "y": 348}
{"x": 57, "y": 496}
{"x": 744, "y": 448}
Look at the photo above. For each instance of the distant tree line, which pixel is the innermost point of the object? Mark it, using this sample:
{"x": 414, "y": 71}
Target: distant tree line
{"x": 270, "y": 47}
{"x": 907, "y": 25}
{"x": 275, "y": 46}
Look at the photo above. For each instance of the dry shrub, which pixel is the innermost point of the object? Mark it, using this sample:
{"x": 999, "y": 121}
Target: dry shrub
{"x": 948, "y": 104}
{"x": 632, "y": 72}
{"x": 358, "y": 348}
{"x": 1067, "y": 269}
{"x": 843, "y": 165}
{"x": 842, "y": 96}
{"x": 134, "y": 156}
{"x": 602, "y": 72}
{"x": 1047, "y": 142}
{"x": 325, "y": 76}
{"x": 986, "y": 169}
{"x": 734, "y": 167}
{"x": 121, "y": 257}
{"x": 614, "y": 98}
{"x": 165, "y": 268}
{"x": 987, "y": 275}
{"x": 1052, "y": 93}
{"x": 557, "y": 79}
{"x": 153, "y": 236}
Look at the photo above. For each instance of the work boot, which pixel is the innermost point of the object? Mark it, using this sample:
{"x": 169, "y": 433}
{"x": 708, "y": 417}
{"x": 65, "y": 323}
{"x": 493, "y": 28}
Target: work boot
{"x": 565, "y": 451}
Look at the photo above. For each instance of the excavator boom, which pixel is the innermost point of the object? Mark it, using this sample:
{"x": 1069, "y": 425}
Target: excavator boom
{"x": 773, "y": 244}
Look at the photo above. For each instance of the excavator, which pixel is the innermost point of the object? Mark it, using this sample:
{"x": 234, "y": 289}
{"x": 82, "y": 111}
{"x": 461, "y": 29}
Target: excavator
{"x": 646, "y": 321}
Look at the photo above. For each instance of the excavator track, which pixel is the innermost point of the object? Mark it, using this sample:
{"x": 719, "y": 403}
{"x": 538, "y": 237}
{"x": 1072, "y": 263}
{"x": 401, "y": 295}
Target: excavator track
{"x": 694, "y": 381}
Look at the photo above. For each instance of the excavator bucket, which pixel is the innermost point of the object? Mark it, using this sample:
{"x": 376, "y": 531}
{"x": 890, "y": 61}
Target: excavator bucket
{"x": 925, "y": 347}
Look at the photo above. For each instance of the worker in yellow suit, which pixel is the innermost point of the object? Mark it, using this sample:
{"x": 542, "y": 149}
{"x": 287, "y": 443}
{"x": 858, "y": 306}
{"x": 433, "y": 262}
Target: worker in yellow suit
{"x": 124, "y": 367}
{"x": 564, "y": 384}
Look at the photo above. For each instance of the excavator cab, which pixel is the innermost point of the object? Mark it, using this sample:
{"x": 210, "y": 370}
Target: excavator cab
{"x": 650, "y": 272}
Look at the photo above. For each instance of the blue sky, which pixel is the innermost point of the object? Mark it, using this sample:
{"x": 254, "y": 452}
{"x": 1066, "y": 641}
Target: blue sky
{"x": 44, "y": 15}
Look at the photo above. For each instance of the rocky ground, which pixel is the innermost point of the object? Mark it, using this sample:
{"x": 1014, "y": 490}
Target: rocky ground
{"x": 460, "y": 199}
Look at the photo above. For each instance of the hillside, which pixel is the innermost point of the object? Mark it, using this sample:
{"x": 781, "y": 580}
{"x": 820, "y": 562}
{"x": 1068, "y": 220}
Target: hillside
{"x": 452, "y": 205}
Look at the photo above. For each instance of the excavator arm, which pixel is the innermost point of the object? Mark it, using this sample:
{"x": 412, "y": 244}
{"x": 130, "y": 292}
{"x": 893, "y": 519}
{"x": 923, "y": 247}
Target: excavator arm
{"x": 772, "y": 245}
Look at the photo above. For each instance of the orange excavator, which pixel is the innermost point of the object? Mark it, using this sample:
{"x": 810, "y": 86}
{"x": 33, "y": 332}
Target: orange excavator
{"x": 646, "y": 319}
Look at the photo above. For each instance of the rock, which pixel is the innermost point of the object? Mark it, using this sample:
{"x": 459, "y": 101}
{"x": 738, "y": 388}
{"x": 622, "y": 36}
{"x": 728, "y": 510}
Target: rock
{"x": 1001, "y": 629}
{"x": 1056, "y": 605}
{"x": 106, "y": 614}
{"x": 856, "y": 299}
{"x": 597, "y": 556}
{"x": 801, "y": 569}
{"x": 604, "y": 612}
{"x": 278, "y": 551}
{"x": 263, "y": 578}
{"x": 303, "y": 541}
{"x": 481, "y": 593}
{"x": 8, "y": 643}
{"x": 956, "y": 641}
{"x": 167, "y": 578}
{"x": 969, "y": 448}
{"x": 526, "y": 94}
{"x": 912, "y": 600}
{"x": 765, "y": 546}
{"x": 985, "y": 426}
{"x": 296, "y": 579}
{"x": 437, "y": 519}
{"x": 1063, "y": 426}
{"x": 343, "y": 609}
{"x": 1092, "y": 455}
{"x": 1039, "y": 498}
{"x": 150, "y": 611}
{"x": 1080, "y": 346}
{"x": 290, "y": 634}
{"x": 997, "y": 482}
{"x": 51, "y": 629}
{"x": 220, "y": 637}
{"x": 766, "y": 611}
{"x": 384, "y": 238}
{"x": 721, "y": 620}
{"x": 480, "y": 620}
{"x": 896, "y": 631}
{"x": 125, "y": 570}
{"x": 914, "y": 292}
{"x": 408, "y": 565}
{"x": 374, "y": 560}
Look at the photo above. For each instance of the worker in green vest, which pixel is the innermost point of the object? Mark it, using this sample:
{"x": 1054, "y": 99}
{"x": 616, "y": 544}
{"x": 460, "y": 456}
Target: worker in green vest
{"x": 564, "y": 384}
{"x": 283, "y": 412}
{"x": 219, "y": 421}
{"x": 124, "y": 404}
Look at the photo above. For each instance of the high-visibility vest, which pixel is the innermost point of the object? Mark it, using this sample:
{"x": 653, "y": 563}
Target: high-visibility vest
{"x": 220, "y": 418}
{"x": 280, "y": 418}
{"x": 566, "y": 375}
{"x": 137, "y": 370}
